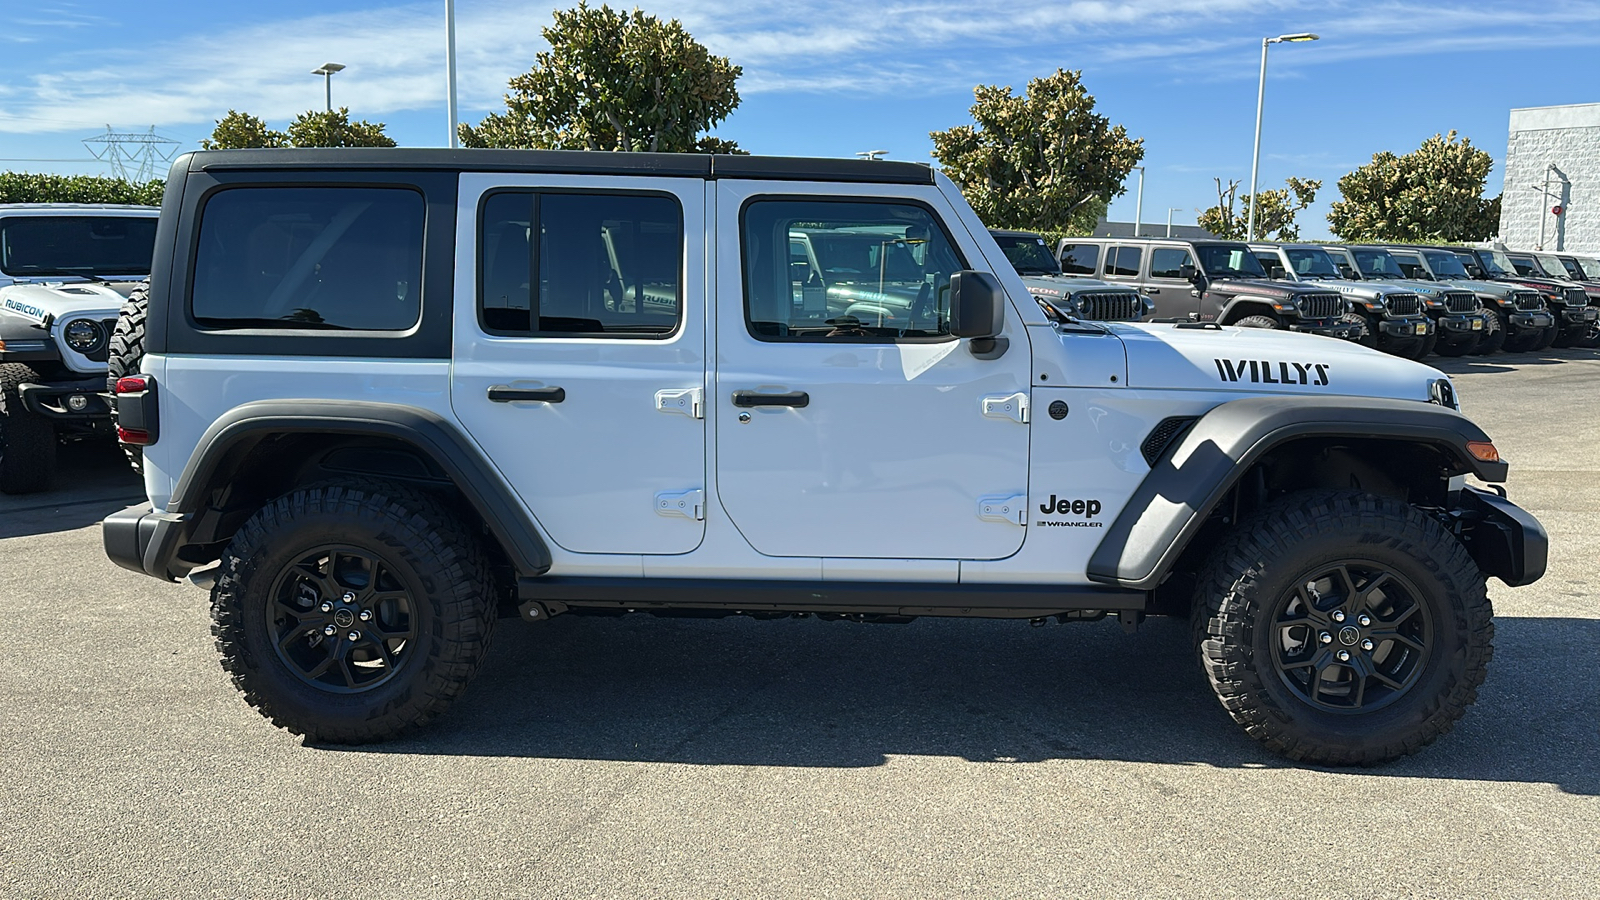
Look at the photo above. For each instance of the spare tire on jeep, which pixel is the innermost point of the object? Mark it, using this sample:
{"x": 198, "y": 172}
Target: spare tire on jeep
{"x": 126, "y": 352}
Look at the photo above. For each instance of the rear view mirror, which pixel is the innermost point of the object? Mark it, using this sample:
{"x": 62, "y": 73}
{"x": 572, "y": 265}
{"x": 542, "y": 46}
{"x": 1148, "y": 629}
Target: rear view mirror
{"x": 977, "y": 305}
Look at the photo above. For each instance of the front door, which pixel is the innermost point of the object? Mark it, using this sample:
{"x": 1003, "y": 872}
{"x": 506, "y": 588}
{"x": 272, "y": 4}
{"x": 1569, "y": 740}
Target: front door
{"x": 580, "y": 353}
{"x": 850, "y": 423}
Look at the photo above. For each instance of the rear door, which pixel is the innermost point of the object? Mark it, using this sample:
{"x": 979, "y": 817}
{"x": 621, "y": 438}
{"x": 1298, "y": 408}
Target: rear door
{"x": 579, "y": 358}
{"x": 849, "y": 422}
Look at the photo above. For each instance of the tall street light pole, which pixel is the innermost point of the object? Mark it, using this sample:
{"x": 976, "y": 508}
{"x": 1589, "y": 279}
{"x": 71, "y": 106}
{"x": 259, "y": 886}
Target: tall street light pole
{"x": 1138, "y": 203}
{"x": 326, "y": 70}
{"x": 450, "y": 65}
{"x": 1261, "y": 94}
{"x": 1170, "y": 211}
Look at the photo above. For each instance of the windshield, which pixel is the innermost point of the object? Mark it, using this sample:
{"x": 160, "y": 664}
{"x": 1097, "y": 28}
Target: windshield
{"x": 1497, "y": 263}
{"x": 1445, "y": 264}
{"x": 1469, "y": 262}
{"x": 1377, "y": 264}
{"x": 1524, "y": 265}
{"x": 1591, "y": 268}
{"x": 32, "y": 246}
{"x": 1552, "y": 266}
{"x": 1028, "y": 254}
{"x": 1312, "y": 263}
{"x": 1229, "y": 261}
{"x": 1341, "y": 260}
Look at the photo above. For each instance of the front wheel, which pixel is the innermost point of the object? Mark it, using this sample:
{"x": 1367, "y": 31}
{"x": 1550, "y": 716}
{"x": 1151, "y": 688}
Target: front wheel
{"x": 1495, "y": 325}
{"x": 1257, "y": 322}
{"x": 353, "y": 612}
{"x": 27, "y": 439}
{"x": 1343, "y": 628}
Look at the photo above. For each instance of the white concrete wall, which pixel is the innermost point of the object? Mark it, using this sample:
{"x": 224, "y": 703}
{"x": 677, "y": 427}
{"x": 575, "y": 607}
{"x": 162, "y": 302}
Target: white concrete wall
{"x": 1567, "y": 137}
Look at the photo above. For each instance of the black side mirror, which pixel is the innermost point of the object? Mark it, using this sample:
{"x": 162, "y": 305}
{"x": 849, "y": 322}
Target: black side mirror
{"x": 1276, "y": 273}
{"x": 1186, "y": 271}
{"x": 1346, "y": 272}
{"x": 977, "y": 304}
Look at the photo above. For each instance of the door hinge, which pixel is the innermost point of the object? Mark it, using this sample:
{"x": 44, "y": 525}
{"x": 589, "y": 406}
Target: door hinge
{"x": 1012, "y": 406}
{"x": 1013, "y": 509}
{"x": 687, "y": 401}
{"x": 688, "y": 504}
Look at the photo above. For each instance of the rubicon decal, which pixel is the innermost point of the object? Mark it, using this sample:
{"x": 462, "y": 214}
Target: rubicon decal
{"x": 1266, "y": 371}
{"x": 25, "y": 309}
{"x": 1081, "y": 511}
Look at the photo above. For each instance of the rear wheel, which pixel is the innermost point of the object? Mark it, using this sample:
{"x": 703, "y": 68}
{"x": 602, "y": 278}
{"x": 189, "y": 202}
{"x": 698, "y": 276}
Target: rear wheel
{"x": 27, "y": 439}
{"x": 1343, "y": 628}
{"x": 354, "y": 612}
{"x": 125, "y": 353}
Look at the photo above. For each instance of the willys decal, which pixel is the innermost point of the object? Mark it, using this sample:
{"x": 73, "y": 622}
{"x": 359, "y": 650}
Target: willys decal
{"x": 1266, "y": 371}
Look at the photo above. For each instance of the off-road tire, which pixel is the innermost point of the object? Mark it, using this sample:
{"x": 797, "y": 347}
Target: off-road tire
{"x": 1368, "y": 335}
{"x": 446, "y": 578}
{"x": 1425, "y": 346}
{"x": 1268, "y": 553}
{"x": 126, "y": 352}
{"x": 1523, "y": 341}
{"x": 1458, "y": 348}
{"x": 1495, "y": 326}
{"x": 1257, "y": 322}
{"x": 27, "y": 439}
{"x": 1548, "y": 337}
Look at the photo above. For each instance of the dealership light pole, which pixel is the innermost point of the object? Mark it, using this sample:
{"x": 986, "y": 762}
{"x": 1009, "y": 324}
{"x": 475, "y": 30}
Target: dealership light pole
{"x": 326, "y": 70}
{"x": 450, "y": 65}
{"x": 1138, "y": 203}
{"x": 1170, "y": 211}
{"x": 1261, "y": 94}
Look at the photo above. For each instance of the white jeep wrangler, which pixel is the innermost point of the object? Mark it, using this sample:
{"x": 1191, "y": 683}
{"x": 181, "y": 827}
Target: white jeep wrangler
{"x": 65, "y": 271}
{"x": 389, "y": 396}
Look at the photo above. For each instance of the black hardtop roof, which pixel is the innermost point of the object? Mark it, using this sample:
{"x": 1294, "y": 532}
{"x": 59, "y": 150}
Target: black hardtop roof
{"x": 1012, "y": 232}
{"x": 568, "y": 162}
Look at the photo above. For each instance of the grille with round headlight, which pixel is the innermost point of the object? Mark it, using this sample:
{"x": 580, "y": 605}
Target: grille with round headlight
{"x": 84, "y": 336}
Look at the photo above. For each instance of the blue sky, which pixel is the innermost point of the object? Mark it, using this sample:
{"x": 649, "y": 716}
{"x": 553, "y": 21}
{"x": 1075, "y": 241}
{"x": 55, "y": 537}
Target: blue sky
{"x": 832, "y": 77}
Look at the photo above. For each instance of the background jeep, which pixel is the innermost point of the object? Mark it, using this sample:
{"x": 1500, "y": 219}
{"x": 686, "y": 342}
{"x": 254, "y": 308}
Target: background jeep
{"x": 390, "y": 395}
{"x": 1568, "y": 304}
{"x": 1458, "y": 318}
{"x": 1579, "y": 327}
{"x": 1075, "y": 295}
{"x": 1208, "y": 281}
{"x": 65, "y": 271}
{"x": 1391, "y": 316}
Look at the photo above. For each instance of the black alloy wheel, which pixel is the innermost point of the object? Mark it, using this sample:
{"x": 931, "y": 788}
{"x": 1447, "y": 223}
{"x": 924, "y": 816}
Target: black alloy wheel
{"x": 1351, "y": 636}
{"x": 343, "y": 618}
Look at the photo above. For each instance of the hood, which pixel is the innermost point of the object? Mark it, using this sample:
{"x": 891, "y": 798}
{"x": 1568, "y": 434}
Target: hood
{"x": 1051, "y": 286}
{"x": 1261, "y": 287}
{"x": 1263, "y": 361}
{"x": 1370, "y": 290}
{"x": 1492, "y": 288}
{"x": 34, "y": 302}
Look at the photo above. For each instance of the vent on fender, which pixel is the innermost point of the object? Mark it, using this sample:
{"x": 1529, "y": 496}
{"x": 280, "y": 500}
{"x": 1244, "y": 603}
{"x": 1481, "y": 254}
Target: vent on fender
{"x": 1164, "y": 435}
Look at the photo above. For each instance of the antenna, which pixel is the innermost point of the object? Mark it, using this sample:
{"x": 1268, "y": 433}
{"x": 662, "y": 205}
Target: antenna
{"x": 134, "y": 156}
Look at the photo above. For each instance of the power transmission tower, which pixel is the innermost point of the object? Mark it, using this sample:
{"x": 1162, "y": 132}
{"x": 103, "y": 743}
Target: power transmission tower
{"x": 134, "y": 156}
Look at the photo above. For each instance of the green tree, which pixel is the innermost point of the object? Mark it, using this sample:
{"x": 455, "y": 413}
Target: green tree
{"x": 334, "y": 129}
{"x": 1274, "y": 217}
{"x": 26, "y": 187}
{"x": 615, "y": 81}
{"x": 242, "y": 131}
{"x": 1434, "y": 193}
{"x": 1044, "y": 161}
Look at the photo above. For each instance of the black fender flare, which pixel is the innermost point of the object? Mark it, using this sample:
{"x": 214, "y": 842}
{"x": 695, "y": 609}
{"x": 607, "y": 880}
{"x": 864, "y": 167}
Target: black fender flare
{"x": 1187, "y": 482}
{"x": 1252, "y": 300}
{"x": 431, "y": 434}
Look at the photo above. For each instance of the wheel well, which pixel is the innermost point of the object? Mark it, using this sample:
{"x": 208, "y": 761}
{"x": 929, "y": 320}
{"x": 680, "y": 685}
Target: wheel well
{"x": 258, "y": 469}
{"x": 1409, "y": 471}
{"x": 1244, "y": 308}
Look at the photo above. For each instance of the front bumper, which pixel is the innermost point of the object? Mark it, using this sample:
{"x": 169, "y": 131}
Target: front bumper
{"x": 1405, "y": 326}
{"x": 55, "y": 400}
{"x": 1532, "y": 321}
{"x": 1328, "y": 328}
{"x": 1579, "y": 316}
{"x": 1454, "y": 327}
{"x": 1505, "y": 540}
{"x": 145, "y": 541}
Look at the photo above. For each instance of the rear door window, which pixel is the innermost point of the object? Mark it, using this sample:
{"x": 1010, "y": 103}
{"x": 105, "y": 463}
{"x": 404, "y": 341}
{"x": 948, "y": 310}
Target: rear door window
{"x": 1123, "y": 262}
{"x": 334, "y": 258}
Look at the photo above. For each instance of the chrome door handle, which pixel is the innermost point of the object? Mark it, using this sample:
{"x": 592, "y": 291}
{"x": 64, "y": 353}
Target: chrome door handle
{"x": 749, "y": 399}
{"x": 501, "y": 394}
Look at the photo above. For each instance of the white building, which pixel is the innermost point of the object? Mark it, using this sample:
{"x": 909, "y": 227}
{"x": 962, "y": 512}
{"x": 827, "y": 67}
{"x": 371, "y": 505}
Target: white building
{"x": 1553, "y": 161}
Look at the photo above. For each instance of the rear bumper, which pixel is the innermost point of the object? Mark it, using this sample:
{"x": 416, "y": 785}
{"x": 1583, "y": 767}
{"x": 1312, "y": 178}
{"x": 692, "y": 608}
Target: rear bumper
{"x": 1504, "y": 539}
{"x": 142, "y": 540}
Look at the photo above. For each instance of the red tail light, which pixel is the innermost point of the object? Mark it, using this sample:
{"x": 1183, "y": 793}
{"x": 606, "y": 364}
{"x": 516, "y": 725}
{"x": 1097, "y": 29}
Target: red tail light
{"x": 135, "y": 436}
{"x": 132, "y": 384}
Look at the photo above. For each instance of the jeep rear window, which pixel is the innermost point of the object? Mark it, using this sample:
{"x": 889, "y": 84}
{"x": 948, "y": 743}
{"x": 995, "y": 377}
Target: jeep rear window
{"x": 310, "y": 258}
{"x": 1123, "y": 262}
{"x": 827, "y": 270}
{"x": 608, "y": 264}
{"x": 33, "y": 246}
{"x": 1079, "y": 259}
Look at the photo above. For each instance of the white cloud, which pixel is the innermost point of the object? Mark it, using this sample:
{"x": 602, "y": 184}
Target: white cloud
{"x": 396, "y": 54}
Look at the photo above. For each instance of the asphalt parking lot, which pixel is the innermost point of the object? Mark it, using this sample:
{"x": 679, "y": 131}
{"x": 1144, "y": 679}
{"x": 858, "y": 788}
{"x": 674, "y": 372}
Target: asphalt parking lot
{"x": 643, "y": 757}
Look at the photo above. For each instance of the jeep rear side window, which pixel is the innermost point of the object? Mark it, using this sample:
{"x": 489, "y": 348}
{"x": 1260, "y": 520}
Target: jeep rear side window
{"x": 1080, "y": 259}
{"x": 607, "y": 264}
{"x": 1123, "y": 262}
{"x": 1165, "y": 261}
{"x": 821, "y": 270}
{"x": 320, "y": 258}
